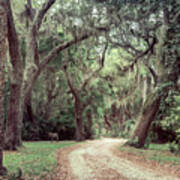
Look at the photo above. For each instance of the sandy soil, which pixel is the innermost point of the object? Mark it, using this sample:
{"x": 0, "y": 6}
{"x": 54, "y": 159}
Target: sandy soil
{"x": 100, "y": 160}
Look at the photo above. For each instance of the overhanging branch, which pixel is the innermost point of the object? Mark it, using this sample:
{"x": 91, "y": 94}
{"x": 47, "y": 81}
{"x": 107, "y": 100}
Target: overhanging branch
{"x": 72, "y": 88}
{"x": 139, "y": 56}
{"x": 36, "y": 26}
{"x": 98, "y": 70}
{"x": 42, "y": 12}
{"x": 14, "y": 49}
{"x": 54, "y": 52}
{"x": 155, "y": 77}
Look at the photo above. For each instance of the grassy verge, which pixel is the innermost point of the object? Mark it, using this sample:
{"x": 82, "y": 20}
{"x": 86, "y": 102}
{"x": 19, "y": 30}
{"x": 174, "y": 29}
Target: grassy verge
{"x": 34, "y": 159}
{"x": 157, "y": 152}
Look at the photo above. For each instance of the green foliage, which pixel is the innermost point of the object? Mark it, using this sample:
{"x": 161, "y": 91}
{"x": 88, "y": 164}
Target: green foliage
{"x": 164, "y": 86}
{"x": 129, "y": 124}
{"x": 63, "y": 125}
{"x": 174, "y": 147}
{"x": 133, "y": 142}
{"x": 168, "y": 119}
{"x": 47, "y": 44}
{"x": 131, "y": 29}
{"x": 172, "y": 119}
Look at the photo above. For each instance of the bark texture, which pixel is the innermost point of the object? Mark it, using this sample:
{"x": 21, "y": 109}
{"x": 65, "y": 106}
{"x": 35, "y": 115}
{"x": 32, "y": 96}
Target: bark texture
{"x": 3, "y": 46}
{"x": 166, "y": 75}
{"x": 88, "y": 127}
{"x": 149, "y": 111}
{"x": 28, "y": 110}
{"x": 79, "y": 105}
{"x": 24, "y": 78}
{"x": 79, "y": 121}
{"x": 13, "y": 127}
{"x": 77, "y": 108}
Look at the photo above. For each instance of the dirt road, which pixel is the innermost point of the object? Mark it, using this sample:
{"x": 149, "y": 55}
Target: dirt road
{"x": 96, "y": 160}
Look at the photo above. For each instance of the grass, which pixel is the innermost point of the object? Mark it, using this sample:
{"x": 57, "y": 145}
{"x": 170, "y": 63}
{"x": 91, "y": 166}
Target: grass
{"x": 157, "y": 152}
{"x": 34, "y": 159}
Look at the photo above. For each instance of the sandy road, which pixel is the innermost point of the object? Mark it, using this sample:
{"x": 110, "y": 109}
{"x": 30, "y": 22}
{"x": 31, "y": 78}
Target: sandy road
{"x": 95, "y": 160}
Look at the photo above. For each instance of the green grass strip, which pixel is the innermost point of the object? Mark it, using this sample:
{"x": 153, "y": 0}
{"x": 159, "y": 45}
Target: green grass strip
{"x": 35, "y": 158}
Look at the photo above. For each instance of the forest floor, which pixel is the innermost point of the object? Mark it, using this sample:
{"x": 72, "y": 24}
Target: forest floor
{"x": 102, "y": 160}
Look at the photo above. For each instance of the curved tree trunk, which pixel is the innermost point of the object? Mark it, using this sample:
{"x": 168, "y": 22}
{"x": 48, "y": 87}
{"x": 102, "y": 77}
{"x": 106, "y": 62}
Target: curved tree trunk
{"x": 148, "y": 114}
{"x": 3, "y": 46}
{"x": 78, "y": 109}
{"x": 165, "y": 77}
{"x": 22, "y": 80}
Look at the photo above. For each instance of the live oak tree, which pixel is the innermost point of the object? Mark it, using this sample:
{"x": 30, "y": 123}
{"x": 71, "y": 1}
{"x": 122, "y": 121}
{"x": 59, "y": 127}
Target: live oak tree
{"x": 148, "y": 31}
{"x": 80, "y": 95}
{"x": 124, "y": 101}
{"x": 3, "y": 58}
{"x": 167, "y": 57}
{"x": 134, "y": 33}
{"x": 24, "y": 71}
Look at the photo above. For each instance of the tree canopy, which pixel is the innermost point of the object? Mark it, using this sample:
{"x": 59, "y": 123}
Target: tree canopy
{"x": 83, "y": 69}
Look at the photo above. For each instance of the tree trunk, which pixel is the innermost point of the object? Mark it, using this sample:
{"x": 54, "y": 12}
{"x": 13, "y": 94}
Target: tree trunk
{"x": 79, "y": 122}
{"x": 28, "y": 111}
{"x": 3, "y": 44}
{"x": 89, "y": 125}
{"x": 19, "y": 99}
{"x": 152, "y": 104}
{"x": 13, "y": 131}
{"x": 148, "y": 114}
{"x": 13, "y": 134}
{"x": 22, "y": 80}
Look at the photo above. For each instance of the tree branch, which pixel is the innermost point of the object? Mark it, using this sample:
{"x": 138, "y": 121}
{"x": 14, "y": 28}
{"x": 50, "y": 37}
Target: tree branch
{"x": 72, "y": 89}
{"x": 13, "y": 41}
{"x": 99, "y": 69}
{"x": 126, "y": 46}
{"x": 132, "y": 89}
{"x": 42, "y": 12}
{"x": 154, "y": 75}
{"x": 54, "y": 52}
{"x": 142, "y": 54}
{"x": 30, "y": 9}
{"x": 36, "y": 26}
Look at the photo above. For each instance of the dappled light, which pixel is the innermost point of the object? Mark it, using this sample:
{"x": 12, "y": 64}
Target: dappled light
{"x": 101, "y": 77}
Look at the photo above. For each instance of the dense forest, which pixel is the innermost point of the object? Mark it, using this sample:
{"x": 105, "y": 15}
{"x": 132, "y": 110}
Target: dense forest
{"x": 82, "y": 69}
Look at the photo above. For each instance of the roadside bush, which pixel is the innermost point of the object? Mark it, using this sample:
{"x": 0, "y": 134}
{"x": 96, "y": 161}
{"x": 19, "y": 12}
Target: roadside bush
{"x": 166, "y": 128}
{"x": 40, "y": 129}
{"x": 174, "y": 147}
